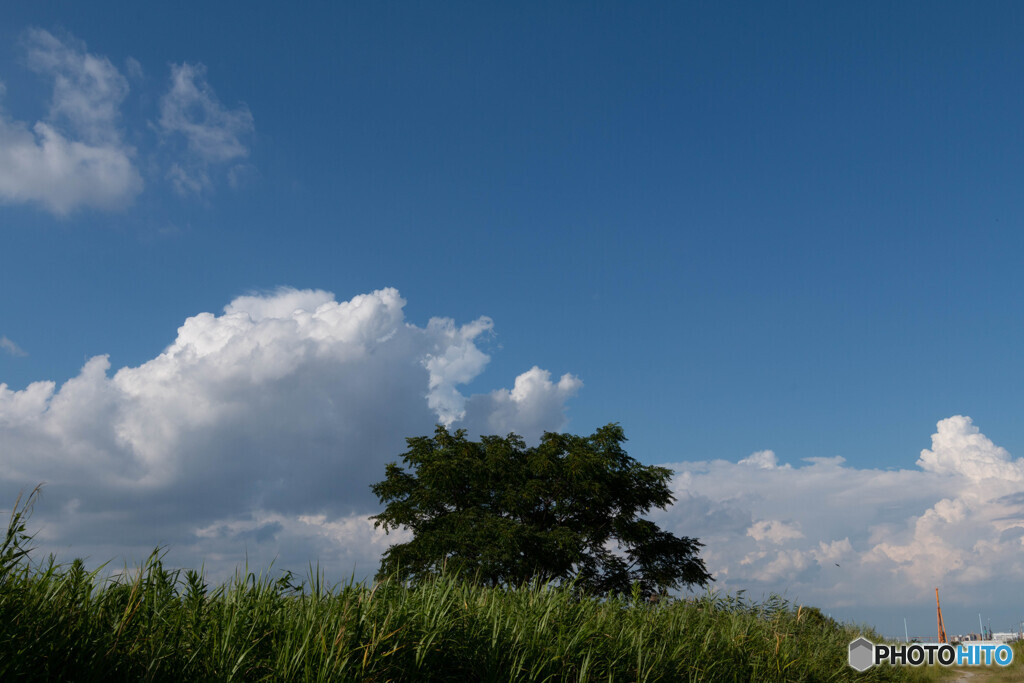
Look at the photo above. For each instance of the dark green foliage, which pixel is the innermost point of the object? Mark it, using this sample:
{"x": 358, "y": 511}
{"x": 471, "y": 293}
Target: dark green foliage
{"x": 508, "y": 514}
{"x": 15, "y": 545}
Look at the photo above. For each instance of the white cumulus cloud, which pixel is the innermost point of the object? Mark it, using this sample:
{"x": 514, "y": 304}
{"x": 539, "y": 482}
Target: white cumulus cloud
{"x": 765, "y": 460}
{"x": 528, "y": 408}
{"x": 960, "y": 449}
{"x": 76, "y": 157}
{"x": 256, "y": 433}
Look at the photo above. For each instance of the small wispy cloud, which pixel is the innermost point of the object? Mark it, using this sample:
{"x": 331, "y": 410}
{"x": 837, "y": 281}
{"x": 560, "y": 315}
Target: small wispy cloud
{"x": 12, "y": 348}
{"x": 213, "y": 134}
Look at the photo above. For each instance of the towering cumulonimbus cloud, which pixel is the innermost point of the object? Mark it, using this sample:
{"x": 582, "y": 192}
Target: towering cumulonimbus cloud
{"x": 257, "y": 432}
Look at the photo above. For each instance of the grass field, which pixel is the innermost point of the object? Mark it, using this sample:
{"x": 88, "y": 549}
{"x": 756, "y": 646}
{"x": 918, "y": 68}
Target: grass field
{"x": 61, "y": 622}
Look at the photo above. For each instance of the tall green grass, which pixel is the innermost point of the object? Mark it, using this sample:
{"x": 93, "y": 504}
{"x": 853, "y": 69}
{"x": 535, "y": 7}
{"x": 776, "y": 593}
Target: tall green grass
{"x": 62, "y": 622}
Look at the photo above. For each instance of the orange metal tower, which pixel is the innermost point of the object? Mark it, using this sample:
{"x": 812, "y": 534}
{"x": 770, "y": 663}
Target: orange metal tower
{"x": 942, "y": 627}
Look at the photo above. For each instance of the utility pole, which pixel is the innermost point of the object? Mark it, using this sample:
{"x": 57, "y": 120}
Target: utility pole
{"x": 942, "y": 627}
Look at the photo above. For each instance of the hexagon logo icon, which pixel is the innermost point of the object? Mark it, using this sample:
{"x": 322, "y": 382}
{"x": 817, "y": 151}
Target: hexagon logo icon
{"x": 862, "y": 654}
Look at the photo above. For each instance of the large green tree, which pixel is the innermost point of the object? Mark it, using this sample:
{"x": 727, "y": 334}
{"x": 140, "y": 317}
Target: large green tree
{"x": 569, "y": 508}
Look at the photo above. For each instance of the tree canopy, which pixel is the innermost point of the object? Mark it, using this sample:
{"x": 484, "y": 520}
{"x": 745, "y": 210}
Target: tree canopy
{"x": 568, "y": 508}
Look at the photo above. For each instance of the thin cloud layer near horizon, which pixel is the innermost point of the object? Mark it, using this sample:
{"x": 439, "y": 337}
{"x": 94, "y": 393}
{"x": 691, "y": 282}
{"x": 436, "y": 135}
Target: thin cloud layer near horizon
{"x": 780, "y": 246}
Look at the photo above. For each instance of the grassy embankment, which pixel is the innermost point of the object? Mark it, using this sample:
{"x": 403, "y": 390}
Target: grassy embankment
{"x": 60, "y": 622}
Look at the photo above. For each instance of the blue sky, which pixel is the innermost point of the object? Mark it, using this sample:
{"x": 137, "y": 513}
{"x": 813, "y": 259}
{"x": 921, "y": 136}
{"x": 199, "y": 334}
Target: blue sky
{"x": 737, "y": 227}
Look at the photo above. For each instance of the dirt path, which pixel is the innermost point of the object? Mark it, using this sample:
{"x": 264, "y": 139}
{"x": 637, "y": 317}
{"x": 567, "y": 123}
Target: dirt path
{"x": 978, "y": 676}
